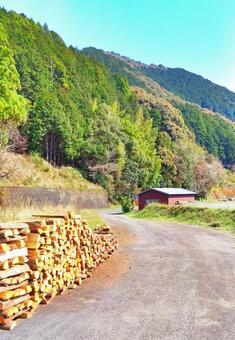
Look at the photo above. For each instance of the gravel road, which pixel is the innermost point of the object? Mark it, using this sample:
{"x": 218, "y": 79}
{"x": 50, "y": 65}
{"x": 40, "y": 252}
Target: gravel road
{"x": 167, "y": 281}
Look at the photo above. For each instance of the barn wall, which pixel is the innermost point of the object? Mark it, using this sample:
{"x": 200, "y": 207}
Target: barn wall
{"x": 185, "y": 198}
{"x": 151, "y": 195}
{"x": 162, "y": 198}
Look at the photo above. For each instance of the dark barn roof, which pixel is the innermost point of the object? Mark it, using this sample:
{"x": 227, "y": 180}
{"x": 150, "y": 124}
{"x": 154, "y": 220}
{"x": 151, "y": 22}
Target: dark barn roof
{"x": 171, "y": 191}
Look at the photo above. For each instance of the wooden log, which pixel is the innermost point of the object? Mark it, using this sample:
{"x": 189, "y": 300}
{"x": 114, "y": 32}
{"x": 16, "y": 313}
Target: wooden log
{"x": 13, "y": 253}
{"x": 9, "y": 294}
{"x": 17, "y": 243}
{"x": 4, "y": 305}
{"x": 33, "y": 245}
{"x": 10, "y": 287}
{"x": 7, "y": 320}
{"x": 6, "y": 233}
{"x": 13, "y": 225}
{"x": 4, "y": 265}
{"x": 15, "y": 279}
{"x": 33, "y": 237}
{"x": 4, "y": 247}
{"x": 18, "y": 269}
{"x": 52, "y": 216}
{"x": 12, "y": 238}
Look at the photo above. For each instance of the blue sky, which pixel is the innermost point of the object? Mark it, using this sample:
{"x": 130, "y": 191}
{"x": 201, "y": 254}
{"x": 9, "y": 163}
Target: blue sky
{"x": 198, "y": 35}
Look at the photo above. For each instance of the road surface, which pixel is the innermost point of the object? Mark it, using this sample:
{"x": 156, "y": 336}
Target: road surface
{"x": 166, "y": 281}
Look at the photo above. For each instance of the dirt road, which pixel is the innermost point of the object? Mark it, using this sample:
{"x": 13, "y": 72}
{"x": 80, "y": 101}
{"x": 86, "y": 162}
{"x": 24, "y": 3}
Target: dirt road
{"x": 167, "y": 281}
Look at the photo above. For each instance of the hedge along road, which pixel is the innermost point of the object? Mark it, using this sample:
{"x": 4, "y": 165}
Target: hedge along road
{"x": 167, "y": 281}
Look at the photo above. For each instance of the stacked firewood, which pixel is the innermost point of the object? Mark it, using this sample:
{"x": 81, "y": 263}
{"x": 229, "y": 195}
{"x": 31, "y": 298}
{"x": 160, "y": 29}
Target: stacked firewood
{"x": 45, "y": 256}
{"x": 15, "y": 298}
{"x": 63, "y": 251}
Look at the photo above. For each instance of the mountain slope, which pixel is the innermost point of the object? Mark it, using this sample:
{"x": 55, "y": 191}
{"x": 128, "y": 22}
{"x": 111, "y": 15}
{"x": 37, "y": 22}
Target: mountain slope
{"x": 194, "y": 88}
{"x": 182, "y": 83}
{"x": 80, "y": 114}
{"x": 85, "y": 115}
{"x": 212, "y": 130}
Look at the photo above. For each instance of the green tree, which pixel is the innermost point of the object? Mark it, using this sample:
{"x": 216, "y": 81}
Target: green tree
{"x": 142, "y": 168}
{"x": 13, "y": 106}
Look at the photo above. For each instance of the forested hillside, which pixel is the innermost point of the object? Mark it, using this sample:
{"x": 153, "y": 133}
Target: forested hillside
{"x": 80, "y": 113}
{"x": 74, "y": 110}
{"x": 185, "y": 84}
{"x": 212, "y": 131}
{"x": 194, "y": 88}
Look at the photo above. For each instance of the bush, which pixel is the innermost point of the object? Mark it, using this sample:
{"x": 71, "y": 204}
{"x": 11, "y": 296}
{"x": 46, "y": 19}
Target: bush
{"x": 126, "y": 204}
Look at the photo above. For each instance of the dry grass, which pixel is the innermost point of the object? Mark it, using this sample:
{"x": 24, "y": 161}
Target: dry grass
{"x": 29, "y": 209}
{"x": 33, "y": 171}
{"x": 26, "y": 212}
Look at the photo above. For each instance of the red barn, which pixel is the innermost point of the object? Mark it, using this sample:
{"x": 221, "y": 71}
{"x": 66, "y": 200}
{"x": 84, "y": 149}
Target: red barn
{"x": 169, "y": 196}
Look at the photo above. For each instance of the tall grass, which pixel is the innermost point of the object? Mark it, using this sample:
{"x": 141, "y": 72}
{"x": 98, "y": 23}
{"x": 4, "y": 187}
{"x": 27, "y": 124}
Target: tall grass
{"x": 223, "y": 219}
{"x": 29, "y": 209}
{"x": 25, "y": 211}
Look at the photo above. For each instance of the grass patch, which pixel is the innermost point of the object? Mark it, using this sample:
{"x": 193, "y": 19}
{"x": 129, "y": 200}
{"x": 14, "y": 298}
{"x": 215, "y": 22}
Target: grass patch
{"x": 92, "y": 217}
{"x": 222, "y": 219}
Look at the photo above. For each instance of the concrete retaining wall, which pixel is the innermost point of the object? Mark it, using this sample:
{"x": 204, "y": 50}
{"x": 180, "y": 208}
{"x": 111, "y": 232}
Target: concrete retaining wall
{"x": 11, "y": 197}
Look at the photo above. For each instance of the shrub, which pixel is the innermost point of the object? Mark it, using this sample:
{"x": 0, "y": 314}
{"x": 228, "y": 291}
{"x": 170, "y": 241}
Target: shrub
{"x": 126, "y": 204}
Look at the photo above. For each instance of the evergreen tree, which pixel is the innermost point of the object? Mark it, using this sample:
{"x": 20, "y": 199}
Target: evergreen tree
{"x": 13, "y": 106}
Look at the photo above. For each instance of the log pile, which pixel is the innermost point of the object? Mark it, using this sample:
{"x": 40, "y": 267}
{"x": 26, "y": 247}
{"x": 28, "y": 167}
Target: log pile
{"x": 15, "y": 298}
{"x": 62, "y": 251}
{"x": 44, "y": 257}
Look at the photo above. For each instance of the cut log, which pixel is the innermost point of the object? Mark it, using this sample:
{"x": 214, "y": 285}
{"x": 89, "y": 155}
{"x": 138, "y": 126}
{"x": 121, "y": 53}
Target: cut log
{"x": 12, "y": 253}
{"x": 8, "y": 320}
{"x": 4, "y": 305}
{"x": 4, "y": 247}
{"x": 17, "y": 243}
{"x": 33, "y": 245}
{"x": 52, "y": 216}
{"x": 9, "y": 287}
{"x": 18, "y": 269}
{"x": 15, "y": 279}
{"x": 13, "y": 225}
{"x": 6, "y": 233}
{"x": 12, "y": 238}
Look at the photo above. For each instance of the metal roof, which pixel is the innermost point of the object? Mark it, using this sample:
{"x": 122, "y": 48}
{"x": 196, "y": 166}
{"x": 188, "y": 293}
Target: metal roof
{"x": 172, "y": 191}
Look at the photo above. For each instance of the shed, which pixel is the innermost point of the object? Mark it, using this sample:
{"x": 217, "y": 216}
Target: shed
{"x": 169, "y": 196}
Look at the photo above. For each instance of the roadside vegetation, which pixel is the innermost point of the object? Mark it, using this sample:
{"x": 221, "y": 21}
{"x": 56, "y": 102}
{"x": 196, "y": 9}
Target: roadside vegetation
{"x": 92, "y": 217}
{"x": 218, "y": 219}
